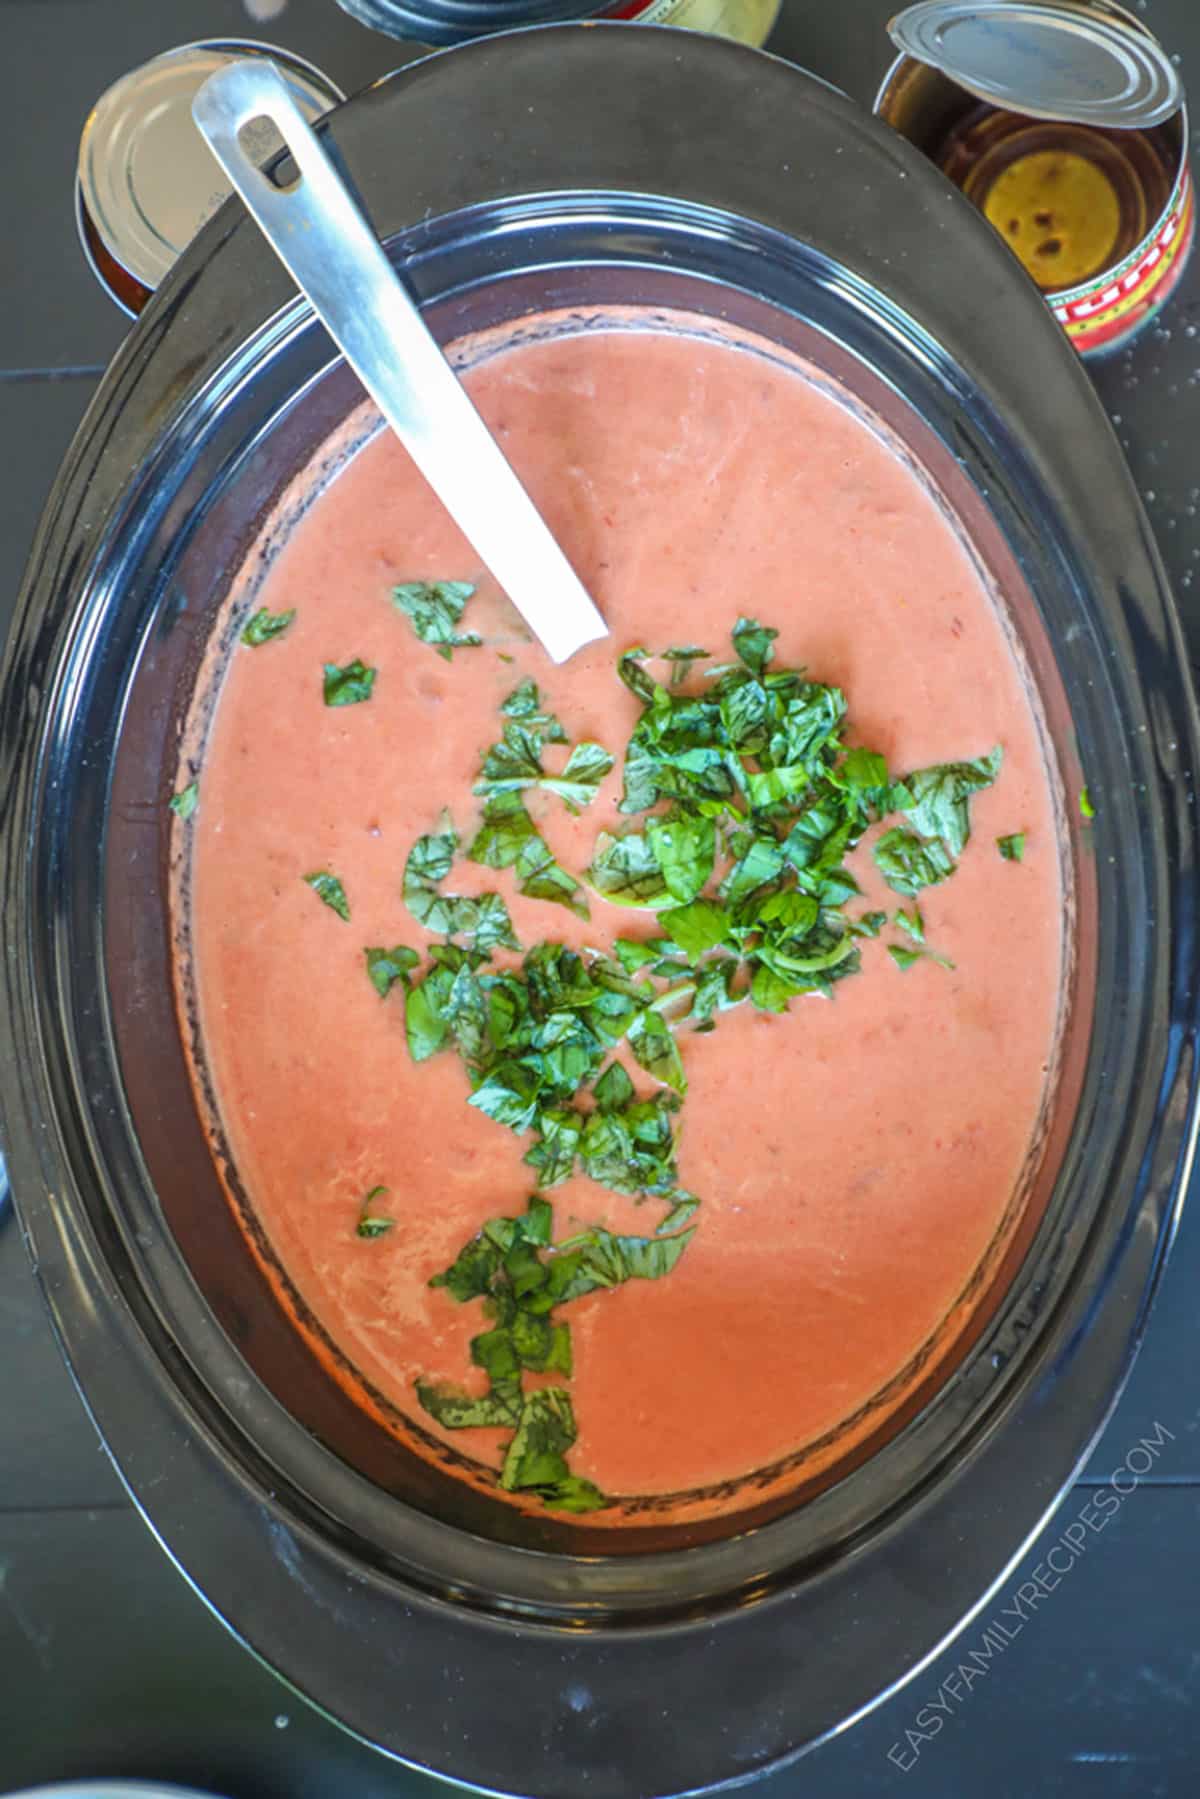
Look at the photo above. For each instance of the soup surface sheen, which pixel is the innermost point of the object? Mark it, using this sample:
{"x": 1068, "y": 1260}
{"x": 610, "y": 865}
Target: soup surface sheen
{"x": 856, "y": 1156}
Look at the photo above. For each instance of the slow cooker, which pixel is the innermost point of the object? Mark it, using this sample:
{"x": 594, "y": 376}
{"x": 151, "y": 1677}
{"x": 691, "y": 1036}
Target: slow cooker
{"x": 548, "y": 169}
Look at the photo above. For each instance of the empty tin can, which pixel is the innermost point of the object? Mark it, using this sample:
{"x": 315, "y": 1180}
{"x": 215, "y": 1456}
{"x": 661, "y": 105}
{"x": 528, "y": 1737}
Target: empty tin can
{"x": 1064, "y": 121}
{"x": 146, "y": 181}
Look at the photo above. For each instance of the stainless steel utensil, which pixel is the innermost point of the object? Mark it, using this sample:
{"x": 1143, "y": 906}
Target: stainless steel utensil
{"x": 319, "y": 233}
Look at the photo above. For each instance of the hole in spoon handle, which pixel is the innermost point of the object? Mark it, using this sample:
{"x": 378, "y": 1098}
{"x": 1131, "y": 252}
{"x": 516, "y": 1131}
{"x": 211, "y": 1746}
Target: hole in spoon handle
{"x": 240, "y": 106}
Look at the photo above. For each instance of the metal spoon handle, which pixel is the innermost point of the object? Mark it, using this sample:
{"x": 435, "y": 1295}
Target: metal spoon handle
{"x": 317, "y": 230}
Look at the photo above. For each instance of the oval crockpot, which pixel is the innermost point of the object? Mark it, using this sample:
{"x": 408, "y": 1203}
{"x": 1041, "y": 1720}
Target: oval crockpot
{"x": 549, "y": 169}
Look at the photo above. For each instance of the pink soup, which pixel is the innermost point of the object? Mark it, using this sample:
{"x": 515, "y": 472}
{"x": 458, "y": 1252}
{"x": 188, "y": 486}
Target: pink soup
{"x": 859, "y": 1157}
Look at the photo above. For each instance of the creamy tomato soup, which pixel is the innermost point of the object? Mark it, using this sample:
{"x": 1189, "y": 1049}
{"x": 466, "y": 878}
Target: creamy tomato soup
{"x": 858, "y": 1157}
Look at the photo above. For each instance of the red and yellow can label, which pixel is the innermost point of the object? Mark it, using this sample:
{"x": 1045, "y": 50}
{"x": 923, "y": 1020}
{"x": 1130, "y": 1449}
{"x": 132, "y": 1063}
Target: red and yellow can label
{"x": 747, "y": 21}
{"x": 1101, "y": 313}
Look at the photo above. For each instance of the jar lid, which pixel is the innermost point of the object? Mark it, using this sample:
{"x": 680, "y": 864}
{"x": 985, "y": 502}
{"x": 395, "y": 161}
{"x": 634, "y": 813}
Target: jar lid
{"x": 1080, "y": 60}
{"x": 146, "y": 179}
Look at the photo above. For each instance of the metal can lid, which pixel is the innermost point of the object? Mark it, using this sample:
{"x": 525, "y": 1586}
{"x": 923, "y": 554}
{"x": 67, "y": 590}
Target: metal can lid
{"x": 1080, "y": 60}
{"x": 146, "y": 179}
{"x": 455, "y": 21}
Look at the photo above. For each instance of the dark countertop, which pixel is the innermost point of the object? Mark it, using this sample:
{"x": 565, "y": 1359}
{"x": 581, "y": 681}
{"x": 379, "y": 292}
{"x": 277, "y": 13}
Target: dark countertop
{"x": 109, "y": 1663}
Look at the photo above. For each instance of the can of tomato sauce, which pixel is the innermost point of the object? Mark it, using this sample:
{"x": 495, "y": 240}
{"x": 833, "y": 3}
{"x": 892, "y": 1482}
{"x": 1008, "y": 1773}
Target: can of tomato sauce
{"x": 454, "y": 21}
{"x": 1064, "y": 121}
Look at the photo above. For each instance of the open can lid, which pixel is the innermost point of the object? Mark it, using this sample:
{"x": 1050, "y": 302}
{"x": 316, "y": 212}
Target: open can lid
{"x": 1082, "y": 60}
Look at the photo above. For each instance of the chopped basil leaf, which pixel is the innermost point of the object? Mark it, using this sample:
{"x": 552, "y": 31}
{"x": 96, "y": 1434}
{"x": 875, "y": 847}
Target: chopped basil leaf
{"x": 579, "y": 782}
{"x": 777, "y": 784}
{"x": 492, "y": 926}
{"x": 698, "y": 927}
{"x": 540, "y": 877}
{"x": 553, "y": 1155}
{"x": 817, "y": 841}
{"x": 524, "y": 703}
{"x": 425, "y": 1022}
{"x": 428, "y": 865}
{"x": 870, "y": 924}
{"x": 863, "y": 771}
{"x": 753, "y": 643}
{"x": 912, "y": 922}
{"x": 909, "y": 863}
{"x": 633, "y": 954}
{"x": 387, "y": 966}
{"x": 784, "y": 915}
{"x": 626, "y": 871}
{"x": 484, "y": 918}
{"x": 350, "y": 685}
{"x": 542, "y": 1345}
{"x": 598, "y": 1260}
{"x": 544, "y": 1433}
{"x": 761, "y": 861}
{"x": 632, "y": 1150}
{"x": 682, "y": 1212}
{"x": 465, "y": 1011}
{"x": 184, "y": 803}
{"x": 434, "y": 608}
{"x": 684, "y": 846}
{"x": 614, "y": 1090}
{"x": 1012, "y": 848}
{"x": 513, "y": 763}
{"x": 715, "y": 989}
{"x": 495, "y": 1352}
{"x": 656, "y": 1050}
{"x": 329, "y": 889}
{"x": 770, "y": 990}
{"x": 516, "y": 763}
{"x": 370, "y": 1222}
{"x": 509, "y": 839}
{"x": 459, "y": 1411}
{"x": 570, "y": 1052}
{"x": 902, "y": 956}
{"x": 264, "y": 625}
{"x": 505, "y": 833}
{"x": 573, "y": 1494}
{"x": 639, "y": 683}
{"x": 509, "y": 1094}
{"x": 937, "y": 799}
{"x": 685, "y": 657}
